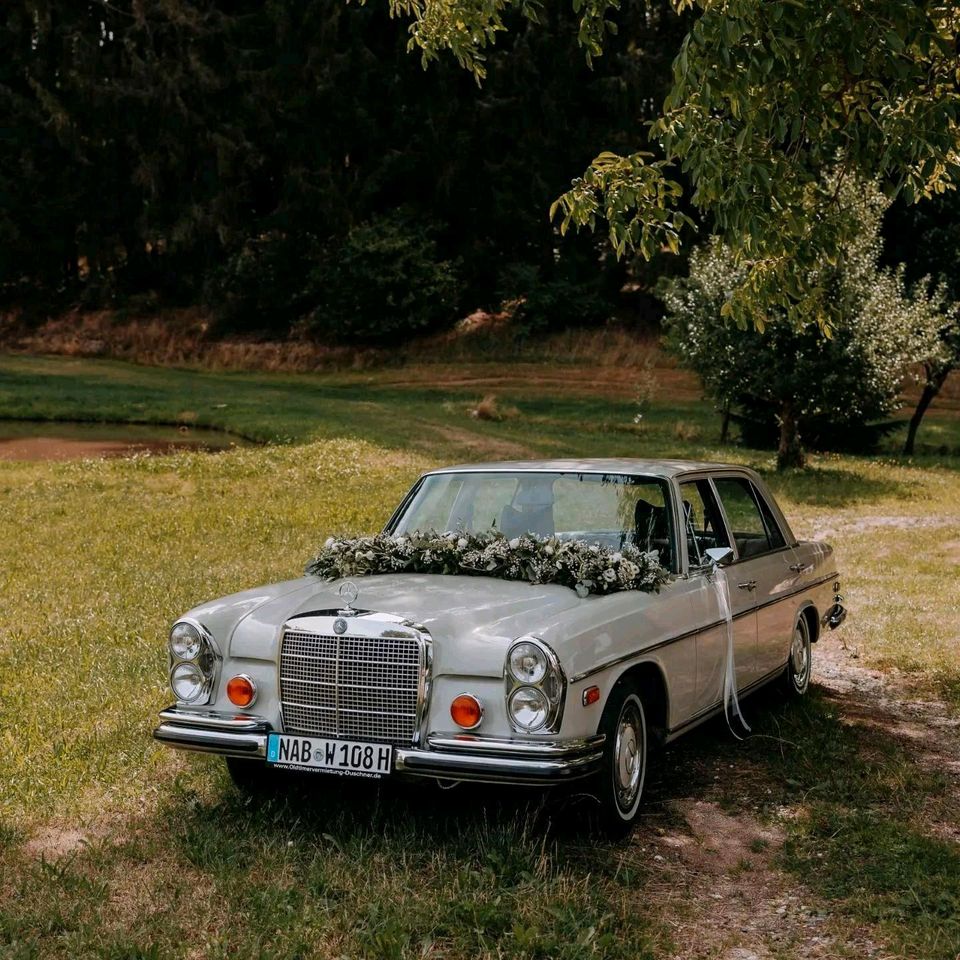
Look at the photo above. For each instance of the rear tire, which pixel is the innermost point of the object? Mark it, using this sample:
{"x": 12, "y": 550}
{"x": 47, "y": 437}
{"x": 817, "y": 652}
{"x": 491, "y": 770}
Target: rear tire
{"x": 796, "y": 675}
{"x": 619, "y": 784}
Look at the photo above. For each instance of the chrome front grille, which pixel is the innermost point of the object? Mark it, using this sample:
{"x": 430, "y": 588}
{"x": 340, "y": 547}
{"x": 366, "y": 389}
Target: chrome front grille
{"x": 357, "y": 688}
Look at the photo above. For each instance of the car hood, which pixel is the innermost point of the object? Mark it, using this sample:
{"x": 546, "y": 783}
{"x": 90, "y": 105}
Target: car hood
{"x": 472, "y": 620}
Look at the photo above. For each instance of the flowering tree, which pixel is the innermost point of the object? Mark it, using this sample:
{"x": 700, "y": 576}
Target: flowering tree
{"x": 765, "y": 94}
{"x": 790, "y": 370}
{"x": 927, "y": 239}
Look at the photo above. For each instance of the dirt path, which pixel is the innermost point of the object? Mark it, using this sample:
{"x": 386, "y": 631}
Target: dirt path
{"x": 721, "y": 893}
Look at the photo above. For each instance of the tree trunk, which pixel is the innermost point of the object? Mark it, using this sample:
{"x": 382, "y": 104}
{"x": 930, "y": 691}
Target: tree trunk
{"x": 790, "y": 451}
{"x": 725, "y": 423}
{"x": 935, "y": 380}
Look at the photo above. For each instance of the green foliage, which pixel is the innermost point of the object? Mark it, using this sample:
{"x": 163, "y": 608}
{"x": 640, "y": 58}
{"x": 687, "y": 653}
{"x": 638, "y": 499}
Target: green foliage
{"x": 259, "y": 284}
{"x": 573, "y": 294}
{"x": 383, "y": 283}
{"x": 764, "y": 97}
{"x": 926, "y": 239}
{"x": 185, "y": 149}
{"x": 828, "y": 387}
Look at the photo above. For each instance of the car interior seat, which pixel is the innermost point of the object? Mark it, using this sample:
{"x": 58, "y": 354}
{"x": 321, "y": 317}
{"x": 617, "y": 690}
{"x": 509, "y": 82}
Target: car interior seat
{"x": 531, "y": 510}
{"x": 652, "y": 530}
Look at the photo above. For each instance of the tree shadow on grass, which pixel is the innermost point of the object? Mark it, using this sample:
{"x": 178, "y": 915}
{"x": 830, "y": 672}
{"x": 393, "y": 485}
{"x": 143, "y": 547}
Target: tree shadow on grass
{"x": 479, "y": 869}
{"x": 832, "y": 487}
{"x": 328, "y": 866}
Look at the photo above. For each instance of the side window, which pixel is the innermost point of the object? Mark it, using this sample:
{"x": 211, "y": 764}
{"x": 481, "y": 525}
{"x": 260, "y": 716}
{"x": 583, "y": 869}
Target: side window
{"x": 751, "y": 522}
{"x": 702, "y": 524}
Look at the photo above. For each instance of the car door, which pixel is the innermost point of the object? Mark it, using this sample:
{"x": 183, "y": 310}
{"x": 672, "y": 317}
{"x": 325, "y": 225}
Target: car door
{"x": 764, "y": 572}
{"x": 704, "y": 528}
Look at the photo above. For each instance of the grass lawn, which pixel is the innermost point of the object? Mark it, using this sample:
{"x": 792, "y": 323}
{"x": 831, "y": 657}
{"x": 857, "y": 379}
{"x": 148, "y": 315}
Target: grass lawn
{"x": 113, "y": 847}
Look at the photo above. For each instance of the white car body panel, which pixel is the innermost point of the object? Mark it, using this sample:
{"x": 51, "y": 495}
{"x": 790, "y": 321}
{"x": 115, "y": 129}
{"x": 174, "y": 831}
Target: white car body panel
{"x": 472, "y": 621}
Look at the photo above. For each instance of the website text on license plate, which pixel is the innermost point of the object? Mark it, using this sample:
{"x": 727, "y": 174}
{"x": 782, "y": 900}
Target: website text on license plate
{"x": 346, "y": 757}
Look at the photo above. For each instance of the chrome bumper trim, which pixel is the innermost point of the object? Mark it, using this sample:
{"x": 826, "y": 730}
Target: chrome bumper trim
{"x": 447, "y": 756}
{"x": 497, "y": 769}
{"x": 474, "y": 743}
{"x": 233, "y": 722}
{"x": 834, "y": 616}
{"x": 231, "y": 735}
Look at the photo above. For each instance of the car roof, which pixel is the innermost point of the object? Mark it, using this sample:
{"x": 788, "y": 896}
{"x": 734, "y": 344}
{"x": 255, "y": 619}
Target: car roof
{"x": 653, "y": 468}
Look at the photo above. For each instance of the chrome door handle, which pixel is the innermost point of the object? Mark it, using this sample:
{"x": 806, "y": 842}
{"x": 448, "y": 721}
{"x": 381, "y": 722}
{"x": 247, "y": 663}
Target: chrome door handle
{"x": 748, "y": 585}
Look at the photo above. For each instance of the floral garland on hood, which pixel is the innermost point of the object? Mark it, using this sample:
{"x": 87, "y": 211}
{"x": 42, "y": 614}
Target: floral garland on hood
{"x": 585, "y": 567}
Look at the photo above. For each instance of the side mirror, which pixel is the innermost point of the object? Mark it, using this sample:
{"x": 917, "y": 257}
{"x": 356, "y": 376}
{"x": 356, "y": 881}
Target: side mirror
{"x": 719, "y": 554}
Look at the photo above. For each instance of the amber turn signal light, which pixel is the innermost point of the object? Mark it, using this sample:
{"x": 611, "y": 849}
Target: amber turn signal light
{"x": 241, "y": 691}
{"x": 466, "y": 711}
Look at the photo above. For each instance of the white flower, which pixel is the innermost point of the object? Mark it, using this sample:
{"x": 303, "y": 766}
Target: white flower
{"x": 462, "y": 543}
{"x": 514, "y": 543}
{"x": 609, "y": 575}
{"x": 616, "y": 557}
{"x": 582, "y": 590}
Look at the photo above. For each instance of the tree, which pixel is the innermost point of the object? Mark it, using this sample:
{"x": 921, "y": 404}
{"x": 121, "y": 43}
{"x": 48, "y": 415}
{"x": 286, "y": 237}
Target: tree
{"x": 790, "y": 372}
{"x": 765, "y": 95}
{"x": 159, "y": 148}
{"x": 926, "y": 239}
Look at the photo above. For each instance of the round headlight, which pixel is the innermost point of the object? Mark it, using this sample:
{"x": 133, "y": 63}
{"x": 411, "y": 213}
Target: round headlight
{"x": 528, "y": 708}
{"x": 188, "y": 682}
{"x": 185, "y": 641}
{"x": 528, "y": 662}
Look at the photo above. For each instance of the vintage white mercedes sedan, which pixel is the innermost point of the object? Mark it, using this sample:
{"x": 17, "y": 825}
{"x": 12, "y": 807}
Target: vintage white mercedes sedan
{"x": 526, "y": 622}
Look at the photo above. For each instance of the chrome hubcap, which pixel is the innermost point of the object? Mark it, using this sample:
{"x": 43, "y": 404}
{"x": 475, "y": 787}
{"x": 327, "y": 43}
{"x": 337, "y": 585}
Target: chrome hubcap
{"x": 800, "y": 657}
{"x": 629, "y": 757}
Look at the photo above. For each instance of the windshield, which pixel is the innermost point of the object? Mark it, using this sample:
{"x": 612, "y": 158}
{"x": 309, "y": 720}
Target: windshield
{"x": 609, "y": 509}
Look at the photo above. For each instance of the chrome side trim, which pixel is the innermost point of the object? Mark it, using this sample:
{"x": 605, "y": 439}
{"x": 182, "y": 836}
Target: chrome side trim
{"x": 637, "y": 654}
{"x": 717, "y": 706}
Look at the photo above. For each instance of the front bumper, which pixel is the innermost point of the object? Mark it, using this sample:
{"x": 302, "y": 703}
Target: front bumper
{"x": 450, "y": 756}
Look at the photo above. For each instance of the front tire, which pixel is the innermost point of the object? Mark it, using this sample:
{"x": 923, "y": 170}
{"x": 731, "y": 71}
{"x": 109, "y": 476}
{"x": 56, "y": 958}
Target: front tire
{"x": 250, "y": 776}
{"x": 619, "y": 783}
{"x": 796, "y": 676}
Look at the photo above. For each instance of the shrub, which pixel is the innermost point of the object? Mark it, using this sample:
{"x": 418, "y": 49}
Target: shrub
{"x": 260, "y": 285}
{"x": 792, "y": 379}
{"x": 382, "y": 283}
{"x": 574, "y": 294}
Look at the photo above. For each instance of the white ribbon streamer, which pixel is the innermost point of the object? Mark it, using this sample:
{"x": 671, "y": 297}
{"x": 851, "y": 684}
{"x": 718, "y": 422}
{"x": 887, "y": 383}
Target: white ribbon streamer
{"x": 722, "y": 589}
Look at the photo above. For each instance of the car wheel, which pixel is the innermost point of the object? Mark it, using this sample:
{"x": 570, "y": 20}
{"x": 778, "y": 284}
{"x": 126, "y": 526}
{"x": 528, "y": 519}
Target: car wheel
{"x": 796, "y": 676}
{"x": 250, "y": 776}
{"x": 619, "y": 784}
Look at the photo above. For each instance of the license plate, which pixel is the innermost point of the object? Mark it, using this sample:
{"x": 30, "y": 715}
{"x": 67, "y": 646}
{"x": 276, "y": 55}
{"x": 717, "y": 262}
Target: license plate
{"x": 349, "y": 758}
